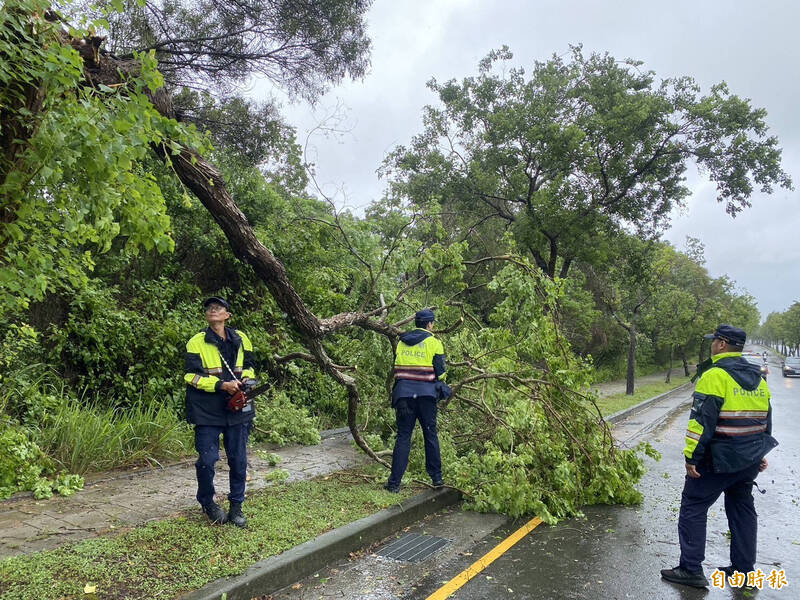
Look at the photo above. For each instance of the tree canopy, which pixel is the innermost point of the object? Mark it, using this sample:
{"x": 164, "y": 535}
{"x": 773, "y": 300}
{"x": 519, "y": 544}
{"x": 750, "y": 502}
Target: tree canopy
{"x": 581, "y": 148}
{"x": 303, "y": 46}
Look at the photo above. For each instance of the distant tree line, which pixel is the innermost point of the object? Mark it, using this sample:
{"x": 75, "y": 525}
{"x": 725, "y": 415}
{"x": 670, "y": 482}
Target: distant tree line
{"x": 781, "y": 330}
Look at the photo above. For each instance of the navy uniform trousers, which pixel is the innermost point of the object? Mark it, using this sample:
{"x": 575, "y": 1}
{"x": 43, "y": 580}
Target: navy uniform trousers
{"x": 698, "y": 496}
{"x": 206, "y": 442}
{"x": 408, "y": 411}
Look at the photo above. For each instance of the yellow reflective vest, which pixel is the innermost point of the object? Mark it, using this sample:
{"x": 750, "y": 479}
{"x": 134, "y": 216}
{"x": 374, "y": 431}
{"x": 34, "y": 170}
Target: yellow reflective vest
{"x": 419, "y": 363}
{"x": 730, "y": 423}
{"x": 206, "y": 403}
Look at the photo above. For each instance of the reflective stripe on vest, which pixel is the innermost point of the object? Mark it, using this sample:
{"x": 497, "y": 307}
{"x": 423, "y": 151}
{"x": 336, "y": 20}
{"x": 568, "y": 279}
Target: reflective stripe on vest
{"x": 734, "y": 431}
{"x": 415, "y": 373}
{"x": 744, "y": 412}
{"x": 415, "y": 363}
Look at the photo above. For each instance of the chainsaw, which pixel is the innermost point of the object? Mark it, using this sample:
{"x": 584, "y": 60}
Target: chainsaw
{"x": 242, "y": 400}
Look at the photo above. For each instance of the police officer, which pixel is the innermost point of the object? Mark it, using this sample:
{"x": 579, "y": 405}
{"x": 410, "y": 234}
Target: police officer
{"x": 218, "y": 360}
{"x": 419, "y": 371}
{"x": 726, "y": 442}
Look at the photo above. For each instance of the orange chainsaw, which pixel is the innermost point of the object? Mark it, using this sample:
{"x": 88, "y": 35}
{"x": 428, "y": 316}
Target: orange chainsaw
{"x": 244, "y": 397}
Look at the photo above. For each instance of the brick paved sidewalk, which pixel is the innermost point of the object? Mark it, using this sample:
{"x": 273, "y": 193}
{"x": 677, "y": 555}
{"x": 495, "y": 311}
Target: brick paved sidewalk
{"x": 125, "y": 498}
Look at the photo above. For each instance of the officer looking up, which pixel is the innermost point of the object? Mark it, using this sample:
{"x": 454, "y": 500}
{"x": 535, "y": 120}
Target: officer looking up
{"x": 419, "y": 371}
{"x": 218, "y": 360}
{"x": 726, "y": 442}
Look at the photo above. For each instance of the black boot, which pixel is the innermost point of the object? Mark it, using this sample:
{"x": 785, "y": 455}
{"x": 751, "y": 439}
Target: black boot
{"x": 235, "y": 515}
{"x": 215, "y": 514}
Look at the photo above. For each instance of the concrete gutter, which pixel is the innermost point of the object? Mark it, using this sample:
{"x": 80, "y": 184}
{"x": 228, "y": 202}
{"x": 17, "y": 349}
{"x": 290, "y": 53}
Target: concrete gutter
{"x": 276, "y": 572}
{"x": 627, "y": 412}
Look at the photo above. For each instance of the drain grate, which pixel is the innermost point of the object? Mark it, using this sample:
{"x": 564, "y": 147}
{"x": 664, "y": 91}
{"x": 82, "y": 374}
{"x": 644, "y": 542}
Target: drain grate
{"x": 413, "y": 547}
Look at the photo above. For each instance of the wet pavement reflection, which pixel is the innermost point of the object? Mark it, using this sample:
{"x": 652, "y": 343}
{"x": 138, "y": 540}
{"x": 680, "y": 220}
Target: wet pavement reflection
{"x": 617, "y": 552}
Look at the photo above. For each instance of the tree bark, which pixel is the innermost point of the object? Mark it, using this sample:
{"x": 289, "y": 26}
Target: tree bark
{"x": 669, "y": 365}
{"x": 631, "y": 374}
{"x": 565, "y": 268}
{"x": 685, "y": 362}
{"x": 631, "y": 369}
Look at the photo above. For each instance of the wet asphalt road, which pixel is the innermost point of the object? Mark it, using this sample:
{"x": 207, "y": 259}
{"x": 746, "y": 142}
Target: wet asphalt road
{"x": 617, "y": 552}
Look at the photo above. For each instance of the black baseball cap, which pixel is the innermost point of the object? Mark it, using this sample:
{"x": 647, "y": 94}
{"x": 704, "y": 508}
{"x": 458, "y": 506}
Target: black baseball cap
{"x": 729, "y": 333}
{"x": 423, "y": 317}
{"x": 217, "y": 300}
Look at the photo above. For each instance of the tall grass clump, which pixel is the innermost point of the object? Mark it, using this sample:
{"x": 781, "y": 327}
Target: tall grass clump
{"x": 84, "y": 438}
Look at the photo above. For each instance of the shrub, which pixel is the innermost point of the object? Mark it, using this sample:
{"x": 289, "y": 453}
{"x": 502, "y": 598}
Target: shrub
{"x": 23, "y": 466}
{"x": 279, "y": 421}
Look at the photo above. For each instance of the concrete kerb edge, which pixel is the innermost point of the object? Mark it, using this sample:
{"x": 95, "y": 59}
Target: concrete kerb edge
{"x": 627, "y": 412}
{"x": 276, "y": 572}
{"x": 329, "y": 433}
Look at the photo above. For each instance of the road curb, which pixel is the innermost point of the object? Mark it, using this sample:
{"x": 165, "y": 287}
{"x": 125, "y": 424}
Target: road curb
{"x": 627, "y": 412}
{"x": 329, "y": 433}
{"x": 276, "y": 572}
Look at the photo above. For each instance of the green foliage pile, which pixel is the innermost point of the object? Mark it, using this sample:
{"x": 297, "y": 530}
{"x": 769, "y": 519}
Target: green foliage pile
{"x": 24, "y": 467}
{"x": 27, "y": 397}
{"x": 522, "y": 434}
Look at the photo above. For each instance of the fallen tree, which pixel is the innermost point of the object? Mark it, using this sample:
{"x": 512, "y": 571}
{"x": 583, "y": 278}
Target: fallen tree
{"x": 519, "y": 436}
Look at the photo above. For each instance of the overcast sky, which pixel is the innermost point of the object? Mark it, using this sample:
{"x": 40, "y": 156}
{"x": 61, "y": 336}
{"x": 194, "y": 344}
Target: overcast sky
{"x": 751, "y": 45}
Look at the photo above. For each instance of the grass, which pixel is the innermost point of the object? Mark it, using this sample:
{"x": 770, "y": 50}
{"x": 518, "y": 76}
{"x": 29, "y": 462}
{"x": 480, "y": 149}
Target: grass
{"x": 617, "y": 371}
{"x": 81, "y": 439}
{"x": 183, "y": 553}
{"x": 616, "y": 402}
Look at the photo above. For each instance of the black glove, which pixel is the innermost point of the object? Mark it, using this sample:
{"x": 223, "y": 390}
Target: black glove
{"x": 443, "y": 391}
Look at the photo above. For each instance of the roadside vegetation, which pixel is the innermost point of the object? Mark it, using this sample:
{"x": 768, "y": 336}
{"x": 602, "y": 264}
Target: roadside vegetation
{"x": 527, "y": 211}
{"x": 616, "y": 402}
{"x": 182, "y": 553}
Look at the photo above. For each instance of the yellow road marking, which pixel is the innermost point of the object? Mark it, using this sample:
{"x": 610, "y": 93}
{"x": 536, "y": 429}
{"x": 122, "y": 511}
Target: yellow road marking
{"x": 479, "y": 565}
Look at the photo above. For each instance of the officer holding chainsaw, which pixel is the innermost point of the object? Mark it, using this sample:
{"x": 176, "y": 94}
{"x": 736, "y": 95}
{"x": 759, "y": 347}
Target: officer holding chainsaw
{"x": 219, "y": 363}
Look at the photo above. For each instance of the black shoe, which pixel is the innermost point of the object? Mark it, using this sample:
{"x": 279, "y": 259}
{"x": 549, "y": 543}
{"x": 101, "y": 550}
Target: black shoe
{"x": 729, "y": 570}
{"x": 395, "y": 489}
{"x": 684, "y": 577}
{"x": 235, "y": 515}
{"x": 438, "y": 483}
{"x": 215, "y": 514}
